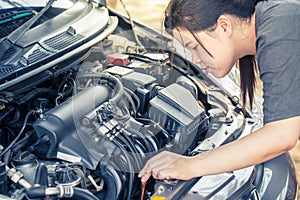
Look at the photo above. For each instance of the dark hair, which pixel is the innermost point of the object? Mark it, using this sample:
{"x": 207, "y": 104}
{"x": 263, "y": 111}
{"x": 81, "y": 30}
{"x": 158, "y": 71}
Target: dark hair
{"x": 198, "y": 15}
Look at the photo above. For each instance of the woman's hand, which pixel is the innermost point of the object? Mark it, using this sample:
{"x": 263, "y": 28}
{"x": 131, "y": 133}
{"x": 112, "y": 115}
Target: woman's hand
{"x": 168, "y": 165}
{"x": 252, "y": 149}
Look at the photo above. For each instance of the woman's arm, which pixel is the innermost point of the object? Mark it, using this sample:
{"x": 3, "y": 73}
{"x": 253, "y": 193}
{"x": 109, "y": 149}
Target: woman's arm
{"x": 264, "y": 144}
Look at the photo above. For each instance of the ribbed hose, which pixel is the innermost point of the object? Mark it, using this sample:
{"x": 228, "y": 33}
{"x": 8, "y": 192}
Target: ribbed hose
{"x": 111, "y": 81}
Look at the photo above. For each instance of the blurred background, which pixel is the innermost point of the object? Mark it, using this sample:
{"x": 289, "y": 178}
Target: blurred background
{"x": 150, "y": 13}
{"x": 147, "y": 12}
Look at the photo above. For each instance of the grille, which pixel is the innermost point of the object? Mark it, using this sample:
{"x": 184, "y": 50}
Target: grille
{"x": 62, "y": 41}
{"x": 9, "y": 69}
{"x": 36, "y": 56}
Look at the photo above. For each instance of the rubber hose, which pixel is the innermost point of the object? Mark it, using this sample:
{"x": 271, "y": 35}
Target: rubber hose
{"x": 130, "y": 170}
{"x": 82, "y": 194}
{"x": 38, "y": 91}
{"x": 113, "y": 182}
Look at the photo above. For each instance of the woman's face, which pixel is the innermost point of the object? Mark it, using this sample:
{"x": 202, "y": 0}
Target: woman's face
{"x": 218, "y": 56}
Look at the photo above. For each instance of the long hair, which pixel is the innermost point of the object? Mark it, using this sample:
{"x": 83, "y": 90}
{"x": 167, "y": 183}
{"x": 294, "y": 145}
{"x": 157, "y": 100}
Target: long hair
{"x": 201, "y": 15}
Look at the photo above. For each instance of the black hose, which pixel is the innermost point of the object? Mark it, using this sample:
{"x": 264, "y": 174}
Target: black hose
{"x": 128, "y": 93}
{"x": 112, "y": 181}
{"x": 149, "y": 137}
{"x": 49, "y": 93}
{"x": 135, "y": 153}
{"x": 111, "y": 81}
{"x": 130, "y": 167}
{"x": 69, "y": 90}
{"x": 139, "y": 140}
{"x": 82, "y": 194}
{"x": 23, "y": 142}
{"x": 63, "y": 191}
{"x": 41, "y": 175}
{"x": 156, "y": 125}
{"x": 141, "y": 148}
{"x": 140, "y": 136}
{"x": 120, "y": 95}
{"x": 6, "y": 112}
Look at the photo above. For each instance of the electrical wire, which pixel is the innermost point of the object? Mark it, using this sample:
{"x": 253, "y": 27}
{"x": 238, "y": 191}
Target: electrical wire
{"x": 19, "y": 135}
{"x": 136, "y": 98}
{"x": 132, "y": 26}
{"x": 155, "y": 125}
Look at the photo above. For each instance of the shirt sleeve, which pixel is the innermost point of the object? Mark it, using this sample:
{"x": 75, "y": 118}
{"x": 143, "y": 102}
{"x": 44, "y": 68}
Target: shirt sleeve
{"x": 278, "y": 55}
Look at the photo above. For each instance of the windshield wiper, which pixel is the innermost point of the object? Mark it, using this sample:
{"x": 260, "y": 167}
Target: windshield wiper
{"x": 14, "y": 36}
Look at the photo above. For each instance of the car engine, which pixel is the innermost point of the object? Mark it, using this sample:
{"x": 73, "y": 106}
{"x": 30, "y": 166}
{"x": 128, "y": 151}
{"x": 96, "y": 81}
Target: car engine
{"x": 84, "y": 128}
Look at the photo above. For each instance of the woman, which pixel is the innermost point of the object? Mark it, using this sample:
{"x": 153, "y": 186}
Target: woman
{"x": 219, "y": 34}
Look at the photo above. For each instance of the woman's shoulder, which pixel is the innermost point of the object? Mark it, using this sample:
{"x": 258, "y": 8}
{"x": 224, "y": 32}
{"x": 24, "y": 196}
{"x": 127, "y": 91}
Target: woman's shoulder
{"x": 277, "y": 20}
{"x": 268, "y": 9}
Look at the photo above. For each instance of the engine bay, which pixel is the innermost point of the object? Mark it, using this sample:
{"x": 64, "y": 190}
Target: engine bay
{"x": 84, "y": 127}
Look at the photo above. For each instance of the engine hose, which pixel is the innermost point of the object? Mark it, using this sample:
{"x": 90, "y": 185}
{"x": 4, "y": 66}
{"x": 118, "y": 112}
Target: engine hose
{"x": 120, "y": 94}
{"x": 70, "y": 89}
{"x": 22, "y": 142}
{"x": 112, "y": 180}
{"x": 130, "y": 168}
{"x": 41, "y": 173}
{"x": 83, "y": 194}
{"x": 131, "y": 163}
{"x": 121, "y": 164}
{"x": 141, "y": 149}
{"x": 135, "y": 153}
{"x": 18, "y": 136}
{"x": 72, "y": 81}
{"x": 148, "y": 136}
{"x": 49, "y": 93}
{"x": 61, "y": 191}
{"x": 111, "y": 81}
{"x": 11, "y": 110}
{"x": 139, "y": 140}
{"x": 155, "y": 125}
{"x": 146, "y": 144}
{"x": 6, "y": 112}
